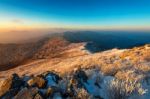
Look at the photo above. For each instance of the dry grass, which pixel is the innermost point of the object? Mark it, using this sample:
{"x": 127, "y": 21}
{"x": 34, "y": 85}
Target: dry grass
{"x": 129, "y": 67}
{"x": 12, "y": 55}
{"x": 119, "y": 89}
{"x": 109, "y": 62}
{"x": 130, "y": 74}
{"x": 147, "y": 56}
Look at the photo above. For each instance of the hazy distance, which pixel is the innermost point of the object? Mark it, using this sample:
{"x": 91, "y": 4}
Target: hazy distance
{"x": 23, "y": 36}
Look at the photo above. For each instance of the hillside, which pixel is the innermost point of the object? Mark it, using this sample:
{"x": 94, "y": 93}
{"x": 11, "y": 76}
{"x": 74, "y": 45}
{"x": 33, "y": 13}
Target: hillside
{"x": 80, "y": 74}
{"x": 12, "y": 55}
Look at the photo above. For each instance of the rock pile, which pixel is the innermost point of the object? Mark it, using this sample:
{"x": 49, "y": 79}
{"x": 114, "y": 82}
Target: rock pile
{"x": 79, "y": 84}
{"x": 48, "y": 85}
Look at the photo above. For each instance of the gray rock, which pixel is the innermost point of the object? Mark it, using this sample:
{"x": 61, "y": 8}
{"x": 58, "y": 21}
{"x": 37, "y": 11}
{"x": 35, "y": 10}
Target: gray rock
{"x": 26, "y": 93}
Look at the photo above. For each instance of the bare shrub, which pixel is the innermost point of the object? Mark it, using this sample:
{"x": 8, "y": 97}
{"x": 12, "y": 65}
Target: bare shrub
{"x": 119, "y": 89}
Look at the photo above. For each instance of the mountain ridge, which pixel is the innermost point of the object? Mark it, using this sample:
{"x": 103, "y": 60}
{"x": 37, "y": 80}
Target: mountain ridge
{"x": 104, "y": 72}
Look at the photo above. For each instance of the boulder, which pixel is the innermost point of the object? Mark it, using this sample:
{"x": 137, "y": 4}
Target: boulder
{"x": 36, "y": 81}
{"x": 13, "y": 84}
{"x": 17, "y": 82}
{"x": 52, "y": 79}
{"x": 81, "y": 77}
{"x": 26, "y": 93}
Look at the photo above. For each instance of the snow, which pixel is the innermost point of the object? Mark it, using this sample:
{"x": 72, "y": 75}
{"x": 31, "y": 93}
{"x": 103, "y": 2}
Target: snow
{"x": 146, "y": 85}
{"x": 102, "y": 81}
{"x": 96, "y": 85}
{"x": 63, "y": 85}
{"x": 51, "y": 80}
{"x": 57, "y": 96}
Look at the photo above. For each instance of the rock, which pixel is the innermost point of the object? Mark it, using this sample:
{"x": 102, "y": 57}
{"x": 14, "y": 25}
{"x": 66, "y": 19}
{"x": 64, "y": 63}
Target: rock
{"x": 26, "y": 78}
{"x": 52, "y": 79}
{"x": 5, "y": 85}
{"x": 81, "y": 77}
{"x": 38, "y": 96}
{"x": 81, "y": 74}
{"x": 14, "y": 87}
{"x": 17, "y": 82}
{"x": 36, "y": 81}
{"x": 26, "y": 93}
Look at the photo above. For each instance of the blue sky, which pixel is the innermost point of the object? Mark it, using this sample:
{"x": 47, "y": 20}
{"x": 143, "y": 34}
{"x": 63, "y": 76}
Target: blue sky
{"x": 75, "y": 13}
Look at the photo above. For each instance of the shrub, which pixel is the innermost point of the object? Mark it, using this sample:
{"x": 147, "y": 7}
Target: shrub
{"x": 119, "y": 89}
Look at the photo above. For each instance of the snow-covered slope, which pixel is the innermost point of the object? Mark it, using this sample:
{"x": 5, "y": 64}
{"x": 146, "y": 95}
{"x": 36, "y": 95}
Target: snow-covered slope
{"x": 112, "y": 74}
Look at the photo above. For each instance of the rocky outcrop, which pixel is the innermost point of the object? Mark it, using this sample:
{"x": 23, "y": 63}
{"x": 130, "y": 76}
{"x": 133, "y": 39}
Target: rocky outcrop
{"x": 87, "y": 83}
{"x": 46, "y": 85}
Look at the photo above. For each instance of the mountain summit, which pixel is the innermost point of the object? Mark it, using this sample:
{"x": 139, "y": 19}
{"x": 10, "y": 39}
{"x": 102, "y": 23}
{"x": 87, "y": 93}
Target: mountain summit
{"x": 68, "y": 70}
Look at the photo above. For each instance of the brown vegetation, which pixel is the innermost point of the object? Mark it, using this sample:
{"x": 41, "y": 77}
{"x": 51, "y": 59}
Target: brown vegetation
{"x": 12, "y": 55}
{"x": 129, "y": 67}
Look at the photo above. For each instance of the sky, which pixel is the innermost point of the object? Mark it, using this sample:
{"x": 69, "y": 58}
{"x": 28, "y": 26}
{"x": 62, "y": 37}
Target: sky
{"x": 74, "y": 14}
